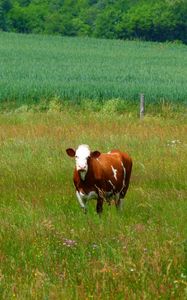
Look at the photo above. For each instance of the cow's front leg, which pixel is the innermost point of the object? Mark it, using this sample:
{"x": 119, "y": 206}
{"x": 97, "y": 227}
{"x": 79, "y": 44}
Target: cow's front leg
{"x": 81, "y": 201}
{"x": 99, "y": 207}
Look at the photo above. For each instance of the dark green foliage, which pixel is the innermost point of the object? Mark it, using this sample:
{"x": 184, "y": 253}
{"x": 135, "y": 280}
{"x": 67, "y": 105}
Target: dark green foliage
{"x": 5, "y": 6}
{"x": 127, "y": 19}
{"x": 159, "y": 21}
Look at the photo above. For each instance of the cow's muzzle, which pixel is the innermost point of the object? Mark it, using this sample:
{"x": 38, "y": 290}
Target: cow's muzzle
{"x": 82, "y": 173}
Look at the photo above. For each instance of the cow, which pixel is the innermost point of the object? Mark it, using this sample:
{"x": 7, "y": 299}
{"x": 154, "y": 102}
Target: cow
{"x": 103, "y": 176}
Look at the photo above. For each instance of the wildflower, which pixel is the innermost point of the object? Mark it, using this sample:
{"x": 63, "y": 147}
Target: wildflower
{"x": 1, "y": 275}
{"x": 173, "y": 143}
{"x": 94, "y": 246}
{"x": 183, "y": 276}
{"x": 69, "y": 243}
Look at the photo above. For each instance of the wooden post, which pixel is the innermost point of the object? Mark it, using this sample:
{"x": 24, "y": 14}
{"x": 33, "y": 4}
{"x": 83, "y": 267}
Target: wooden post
{"x": 142, "y": 106}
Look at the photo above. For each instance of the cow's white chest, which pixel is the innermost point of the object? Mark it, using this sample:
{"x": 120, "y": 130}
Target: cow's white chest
{"x": 90, "y": 195}
{"x": 83, "y": 198}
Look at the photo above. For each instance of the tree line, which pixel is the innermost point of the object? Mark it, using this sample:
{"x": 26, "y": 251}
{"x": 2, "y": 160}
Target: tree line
{"x": 161, "y": 20}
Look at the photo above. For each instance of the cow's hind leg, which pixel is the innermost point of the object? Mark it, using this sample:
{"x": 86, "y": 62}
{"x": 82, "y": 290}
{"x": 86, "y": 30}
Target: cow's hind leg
{"x": 119, "y": 204}
{"x": 118, "y": 201}
{"x": 99, "y": 207}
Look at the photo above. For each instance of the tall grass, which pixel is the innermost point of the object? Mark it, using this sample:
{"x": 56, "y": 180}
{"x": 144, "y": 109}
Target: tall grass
{"x": 42, "y": 67}
{"x": 50, "y": 250}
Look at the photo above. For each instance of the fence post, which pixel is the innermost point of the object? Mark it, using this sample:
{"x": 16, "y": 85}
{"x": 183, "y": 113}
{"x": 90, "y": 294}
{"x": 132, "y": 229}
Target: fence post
{"x": 142, "y": 106}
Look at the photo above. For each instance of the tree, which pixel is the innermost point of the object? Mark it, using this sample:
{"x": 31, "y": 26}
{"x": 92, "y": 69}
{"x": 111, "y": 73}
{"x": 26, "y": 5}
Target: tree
{"x": 5, "y": 6}
{"x": 106, "y": 22}
{"x": 144, "y": 19}
{"x": 160, "y": 21}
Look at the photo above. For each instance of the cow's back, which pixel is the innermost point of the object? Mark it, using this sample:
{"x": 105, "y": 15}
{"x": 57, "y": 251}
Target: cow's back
{"x": 115, "y": 158}
{"x": 109, "y": 161}
{"x": 125, "y": 158}
{"x": 114, "y": 170}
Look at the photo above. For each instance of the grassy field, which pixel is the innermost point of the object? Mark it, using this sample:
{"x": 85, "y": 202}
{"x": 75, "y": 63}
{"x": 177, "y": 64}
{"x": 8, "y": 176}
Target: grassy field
{"x": 50, "y": 250}
{"x": 42, "y": 67}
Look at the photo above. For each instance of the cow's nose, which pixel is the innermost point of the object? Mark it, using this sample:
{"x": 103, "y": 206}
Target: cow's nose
{"x": 82, "y": 168}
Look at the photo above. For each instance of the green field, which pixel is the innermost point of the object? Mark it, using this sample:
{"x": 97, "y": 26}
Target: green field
{"x": 50, "y": 250}
{"x": 42, "y": 67}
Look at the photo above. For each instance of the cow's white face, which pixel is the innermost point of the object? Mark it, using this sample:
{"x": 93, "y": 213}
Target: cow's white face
{"x": 82, "y": 154}
{"x": 81, "y": 158}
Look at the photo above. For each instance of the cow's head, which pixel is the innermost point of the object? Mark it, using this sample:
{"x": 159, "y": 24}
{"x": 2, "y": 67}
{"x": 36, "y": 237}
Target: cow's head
{"x": 82, "y": 156}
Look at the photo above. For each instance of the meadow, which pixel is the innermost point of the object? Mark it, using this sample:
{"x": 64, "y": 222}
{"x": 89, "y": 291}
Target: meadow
{"x": 49, "y": 249}
{"x": 35, "y": 67}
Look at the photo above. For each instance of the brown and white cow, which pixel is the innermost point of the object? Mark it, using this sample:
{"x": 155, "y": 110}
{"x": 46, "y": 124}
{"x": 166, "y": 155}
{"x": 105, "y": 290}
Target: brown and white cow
{"x": 102, "y": 176}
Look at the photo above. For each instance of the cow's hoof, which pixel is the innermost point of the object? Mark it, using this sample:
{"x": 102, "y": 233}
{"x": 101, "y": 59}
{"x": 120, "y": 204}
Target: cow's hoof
{"x": 85, "y": 210}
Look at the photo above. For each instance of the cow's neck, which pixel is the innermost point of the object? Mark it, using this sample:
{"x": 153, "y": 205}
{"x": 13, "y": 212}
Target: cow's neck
{"x": 92, "y": 169}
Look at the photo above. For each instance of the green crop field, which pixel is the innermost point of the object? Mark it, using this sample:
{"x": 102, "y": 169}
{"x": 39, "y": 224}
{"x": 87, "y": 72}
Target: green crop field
{"x": 49, "y": 249}
{"x": 42, "y": 67}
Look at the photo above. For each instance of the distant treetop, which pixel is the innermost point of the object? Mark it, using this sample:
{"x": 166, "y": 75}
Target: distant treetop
{"x": 164, "y": 20}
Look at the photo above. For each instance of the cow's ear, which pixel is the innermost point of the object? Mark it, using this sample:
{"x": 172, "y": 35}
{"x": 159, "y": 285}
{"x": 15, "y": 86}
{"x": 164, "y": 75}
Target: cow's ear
{"x": 70, "y": 152}
{"x": 95, "y": 154}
